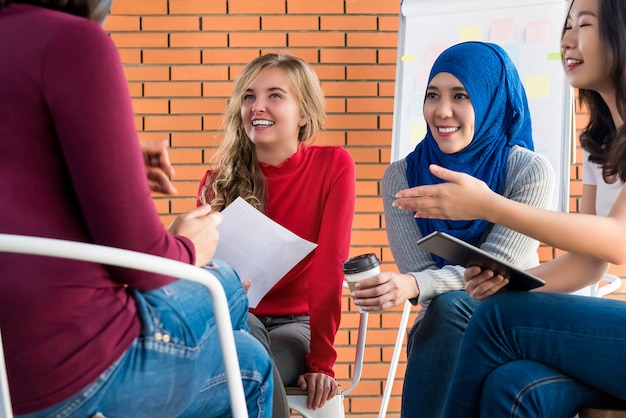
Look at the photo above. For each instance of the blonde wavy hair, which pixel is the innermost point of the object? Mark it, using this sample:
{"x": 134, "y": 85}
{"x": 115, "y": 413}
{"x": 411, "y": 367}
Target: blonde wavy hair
{"x": 238, "y": 172}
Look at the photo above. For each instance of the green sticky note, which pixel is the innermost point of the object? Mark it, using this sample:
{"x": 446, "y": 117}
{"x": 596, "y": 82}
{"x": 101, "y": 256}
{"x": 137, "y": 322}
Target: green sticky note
{"x": 554, "y": 56}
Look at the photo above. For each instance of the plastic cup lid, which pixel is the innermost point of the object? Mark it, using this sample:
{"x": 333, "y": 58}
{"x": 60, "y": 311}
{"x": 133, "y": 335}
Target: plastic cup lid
{"x": 360, "y": 263}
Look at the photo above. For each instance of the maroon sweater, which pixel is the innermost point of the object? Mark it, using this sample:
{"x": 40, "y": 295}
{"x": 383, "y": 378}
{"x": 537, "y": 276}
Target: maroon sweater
{"x": 70, "y": 168}
{"x": 312, "y": 194}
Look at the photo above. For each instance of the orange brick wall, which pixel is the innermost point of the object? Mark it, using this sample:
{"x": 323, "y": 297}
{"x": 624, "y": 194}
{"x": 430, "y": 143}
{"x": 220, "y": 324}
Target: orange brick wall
{"x": 180, "y": 58}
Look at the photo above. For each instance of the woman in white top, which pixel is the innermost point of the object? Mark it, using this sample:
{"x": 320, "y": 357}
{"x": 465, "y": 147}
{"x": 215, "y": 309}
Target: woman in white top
{"x": 542, "y": 354}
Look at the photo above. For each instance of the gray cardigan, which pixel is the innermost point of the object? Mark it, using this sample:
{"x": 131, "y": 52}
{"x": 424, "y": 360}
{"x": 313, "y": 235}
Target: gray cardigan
{"x": 529, "y": 179}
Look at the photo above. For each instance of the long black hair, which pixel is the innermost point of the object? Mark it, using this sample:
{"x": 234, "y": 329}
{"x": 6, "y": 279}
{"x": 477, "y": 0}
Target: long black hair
{"x": 91, "y": 9}
{"x": 605, "y": 142}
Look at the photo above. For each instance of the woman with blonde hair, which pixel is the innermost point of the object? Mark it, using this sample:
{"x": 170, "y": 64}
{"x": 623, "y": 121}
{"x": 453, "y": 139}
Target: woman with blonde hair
{"x": 276, "y": 108}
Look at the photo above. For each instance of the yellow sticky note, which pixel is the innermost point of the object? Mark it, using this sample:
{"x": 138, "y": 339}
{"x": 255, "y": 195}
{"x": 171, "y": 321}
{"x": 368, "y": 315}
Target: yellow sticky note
{"x": 418, "y": 131}
{"x": 471, "y": 33}
{"x": 537, "y": 86}
{"x": 407, "y": 58}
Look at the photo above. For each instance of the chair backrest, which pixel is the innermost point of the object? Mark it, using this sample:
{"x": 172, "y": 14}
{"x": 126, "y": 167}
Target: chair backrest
{"x": 5, "y": 400}
{"x": 610, "y": 283}
{"x": 139, "y": 261}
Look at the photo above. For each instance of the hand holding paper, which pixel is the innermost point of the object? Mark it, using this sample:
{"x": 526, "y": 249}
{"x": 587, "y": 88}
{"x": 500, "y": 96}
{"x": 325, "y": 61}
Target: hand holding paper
{"x": 260, "y": 250}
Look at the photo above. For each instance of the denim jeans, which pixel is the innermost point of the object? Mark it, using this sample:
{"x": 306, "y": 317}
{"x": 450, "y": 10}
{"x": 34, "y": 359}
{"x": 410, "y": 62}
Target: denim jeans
{"x": 537, "y": 354}
{"x": 175, "y": 367}
{"x": 432, "y": 348}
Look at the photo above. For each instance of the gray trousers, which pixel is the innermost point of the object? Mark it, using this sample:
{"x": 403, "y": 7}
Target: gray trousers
{"x": 287, "y": 339}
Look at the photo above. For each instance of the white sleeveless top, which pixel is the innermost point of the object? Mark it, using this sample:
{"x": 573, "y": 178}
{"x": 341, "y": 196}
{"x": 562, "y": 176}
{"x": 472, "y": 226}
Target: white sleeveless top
{"x": 606, "y": 194}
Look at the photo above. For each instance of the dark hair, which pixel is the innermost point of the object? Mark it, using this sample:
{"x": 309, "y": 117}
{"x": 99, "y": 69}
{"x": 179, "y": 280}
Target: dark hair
{"x": 605, "y": 142}
{"x": 91, "y": 9}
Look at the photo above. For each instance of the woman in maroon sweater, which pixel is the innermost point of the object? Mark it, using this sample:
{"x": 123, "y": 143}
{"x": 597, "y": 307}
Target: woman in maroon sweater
{"x": 276, "y": 107}
{"x": 82, "y": 338}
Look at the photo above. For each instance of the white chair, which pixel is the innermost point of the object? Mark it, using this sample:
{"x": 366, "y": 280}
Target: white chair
{"x": 395, "y": 357}
{"x": 131, "y": 259}
{"x": 596, "y": 290}
{"x": 5, "y": 400}
{"x": 334, "y": 408}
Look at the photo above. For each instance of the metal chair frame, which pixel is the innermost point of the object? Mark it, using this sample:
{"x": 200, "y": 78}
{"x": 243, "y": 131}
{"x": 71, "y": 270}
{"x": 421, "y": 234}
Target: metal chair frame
{"x": 334, "y": 408}
{"x": 139, "y": 261}
{"x": 613, "y": 283}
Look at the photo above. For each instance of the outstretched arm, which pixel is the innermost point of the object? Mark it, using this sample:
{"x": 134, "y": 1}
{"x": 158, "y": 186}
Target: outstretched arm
{"x": 464, "y": 197}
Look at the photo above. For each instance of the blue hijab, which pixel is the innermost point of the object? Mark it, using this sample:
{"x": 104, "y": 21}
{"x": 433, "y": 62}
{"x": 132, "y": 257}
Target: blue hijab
{"x": 502, "y": 119}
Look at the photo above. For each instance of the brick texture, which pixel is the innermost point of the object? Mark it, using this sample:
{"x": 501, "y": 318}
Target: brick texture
{"x": 180, "y": 58}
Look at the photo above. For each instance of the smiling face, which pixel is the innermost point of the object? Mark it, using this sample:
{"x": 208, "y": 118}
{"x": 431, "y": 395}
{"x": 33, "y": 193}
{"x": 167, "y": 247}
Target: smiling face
{"x": 583, "y": 56}
{"x": 270, "y": 112}
{"x": 449, "y": 113}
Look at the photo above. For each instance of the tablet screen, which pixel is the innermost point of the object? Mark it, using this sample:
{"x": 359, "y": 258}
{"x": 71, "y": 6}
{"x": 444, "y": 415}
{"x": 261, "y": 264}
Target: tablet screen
{"x": 464, "y": 254}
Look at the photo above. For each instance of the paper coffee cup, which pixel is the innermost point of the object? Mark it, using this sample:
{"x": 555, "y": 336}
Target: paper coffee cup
{"x": 359, "y": 268}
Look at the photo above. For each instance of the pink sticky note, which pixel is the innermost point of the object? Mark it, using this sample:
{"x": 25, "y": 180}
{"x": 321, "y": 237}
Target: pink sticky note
{"x": 502, "y": 30}
{"x": 538, "y": 31}
{"x": 421, "y": 80}
{"x": 432, "y": 52}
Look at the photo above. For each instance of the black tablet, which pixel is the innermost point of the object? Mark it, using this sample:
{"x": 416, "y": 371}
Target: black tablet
{"x": 464, "y": 254}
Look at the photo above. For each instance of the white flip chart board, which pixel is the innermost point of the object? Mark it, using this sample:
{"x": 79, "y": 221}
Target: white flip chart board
{"x": 530, "y": 32}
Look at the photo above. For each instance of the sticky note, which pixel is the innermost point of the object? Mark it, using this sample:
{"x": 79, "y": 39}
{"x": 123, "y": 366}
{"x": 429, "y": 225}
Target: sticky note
{"x": 513, "y": 51}
{"x": 432, "y": 52}
{"x": 418, "y": 131}
{"x": 407, "y": 58}
{"x": 554, "y": 56}
{"x": 421, "y": 81}
{"x": 416, "y": 108}
{"x": 470, "y": 33}
{"x": 502, "y": 30}
{"x": 537, "y": 86}
{"x": 538, "y": 31}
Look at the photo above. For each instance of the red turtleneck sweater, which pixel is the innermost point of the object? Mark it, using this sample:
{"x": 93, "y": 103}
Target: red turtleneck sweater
{"x": 313, "y": 195}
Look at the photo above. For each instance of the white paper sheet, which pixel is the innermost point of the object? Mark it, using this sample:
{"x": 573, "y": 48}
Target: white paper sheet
{"x": 259, "y": 249}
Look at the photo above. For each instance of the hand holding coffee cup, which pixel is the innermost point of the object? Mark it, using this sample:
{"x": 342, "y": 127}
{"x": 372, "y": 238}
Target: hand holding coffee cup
{"x": 360, "y": 267}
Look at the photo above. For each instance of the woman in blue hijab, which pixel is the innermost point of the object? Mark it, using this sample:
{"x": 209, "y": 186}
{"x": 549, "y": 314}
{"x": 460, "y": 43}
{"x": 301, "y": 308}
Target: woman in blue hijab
{"x": 502, "y": 120}
{"x": 478, "y": 122}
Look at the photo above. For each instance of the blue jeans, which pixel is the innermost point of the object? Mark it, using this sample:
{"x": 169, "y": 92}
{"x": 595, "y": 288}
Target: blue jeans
{"x": 432, "y": 349}
{"x": 175, "y": 368}
{"x": 537, "y": 354}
